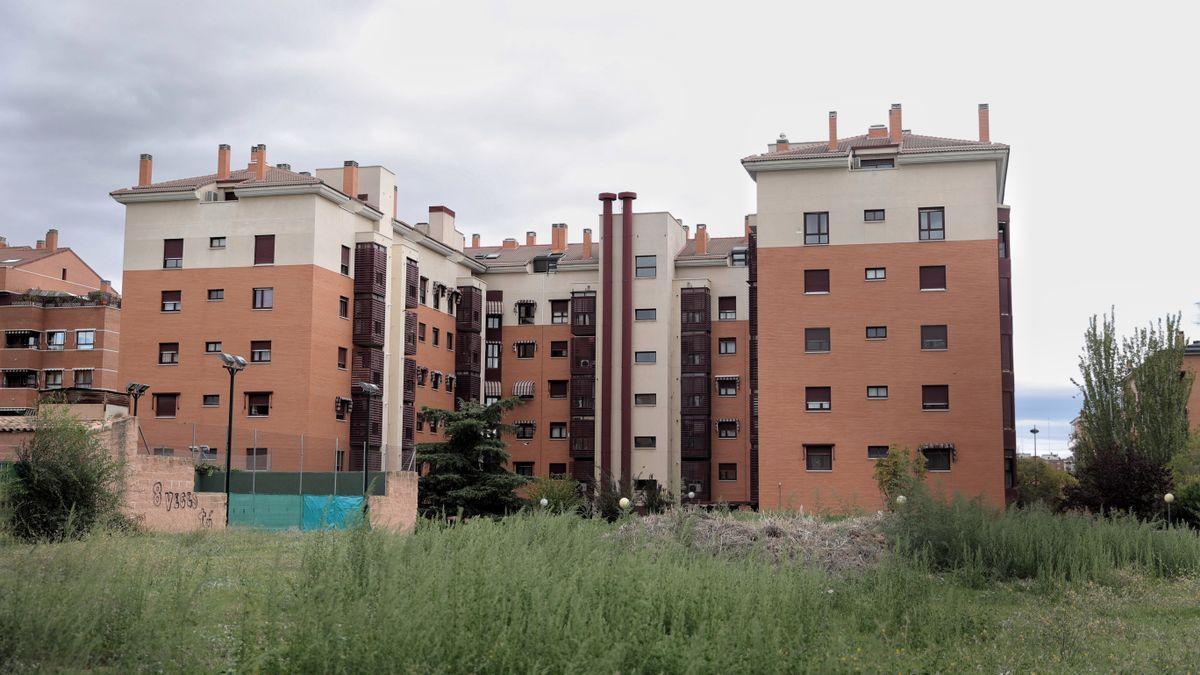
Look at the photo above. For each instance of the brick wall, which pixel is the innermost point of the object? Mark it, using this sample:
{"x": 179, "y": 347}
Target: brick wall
{"x": 396, "y": 510}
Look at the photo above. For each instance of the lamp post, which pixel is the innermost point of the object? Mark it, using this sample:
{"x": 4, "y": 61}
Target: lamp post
{"x": 135, "y": 391}
{"x": 370, "y": 391}
{"x": 234, "y": 364}
{"x": 1169, "y": 499}
{"x": 1035, "y": 431}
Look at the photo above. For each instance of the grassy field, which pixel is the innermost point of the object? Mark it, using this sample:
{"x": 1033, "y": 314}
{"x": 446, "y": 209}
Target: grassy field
{"x": 557, "y": 594}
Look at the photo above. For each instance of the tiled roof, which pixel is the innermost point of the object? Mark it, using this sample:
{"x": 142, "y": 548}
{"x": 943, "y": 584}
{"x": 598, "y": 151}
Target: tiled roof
{"x": 15, "y": 423}
{"x": 910, "y": 144}
{"x": 239, "y": 178}
{"x": 15, "y": 256}
{"x": 718, "y": 247}
{"x": 523, "y": 255}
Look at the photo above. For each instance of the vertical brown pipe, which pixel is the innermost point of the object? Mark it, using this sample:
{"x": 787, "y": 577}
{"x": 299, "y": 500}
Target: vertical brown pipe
{"x": 606, "y": 331}
{"x": 223, "y": 161}
{"x": 626, "y": 337}
{"x": 145, "y": 170}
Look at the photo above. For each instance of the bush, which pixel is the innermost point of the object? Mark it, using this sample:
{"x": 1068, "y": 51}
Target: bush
{"x": 564, "y": 495}
{"x": 1118, "y": 480}
{"x": 902, "y": 472}
{"x": 1040, "y": 483}
{"x": 64, "y": 483}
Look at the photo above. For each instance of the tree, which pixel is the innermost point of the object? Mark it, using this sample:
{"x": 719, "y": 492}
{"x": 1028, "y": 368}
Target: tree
{"x": 1038, "y": 482}
{"x": 64, "y": 483}
{"x": 465, "y": 474}
{"x": 901, "y": 472}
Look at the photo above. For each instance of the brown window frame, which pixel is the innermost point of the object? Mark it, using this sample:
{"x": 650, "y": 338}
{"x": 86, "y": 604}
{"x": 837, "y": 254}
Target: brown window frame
{"x": 345, "y": 265}
{"x": 562, "y": 386}
{"x": 263, "y": 298}
{"x": 929, "y": 399}
{"x": 935, "y": 337}
{"x": 259, "y": 348}
{"x": 254, "y": 401}
{"x": 168, "y": 353}
{"x": 264, "y": 249}
{"x": 816, "y": 282}
{"x": 929, "y": 276}
{"x": 816, "y": 452}
{"x": 559, "y": 349}
{"x": 726, "y": 346}
{"x": 723, "y": 427}
{"x": 158, "y": 401}
{"x": 172, "y": 301}
{"x": 727, "y": 308}
{"x": 815, "y": 396}
{"x": 727, "y": 471}
{"x": 813, "y": 341}
{"x": 877, "y": 329}
{"x": 560, "y": 312}
{"x": 819, "y": 226}
{"x": 926, "y": 229}
{"x": 343, "y": 307}
{"x": 558, "y": 431}
{"x": 172, "y": 254}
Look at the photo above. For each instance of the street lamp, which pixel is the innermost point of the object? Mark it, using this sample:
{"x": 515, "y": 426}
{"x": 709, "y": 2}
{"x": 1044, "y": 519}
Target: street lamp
{"x": 135, "y": 391}
{"x": 370, "y": 391}
{"x": 234, "y": 364}
{"x": 1169, "y": 499}
{"x": 1035, "y": 431}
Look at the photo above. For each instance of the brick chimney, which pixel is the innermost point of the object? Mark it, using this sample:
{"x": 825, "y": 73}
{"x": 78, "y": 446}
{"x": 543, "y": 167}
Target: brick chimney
{"x": 531, "y": 238}
{"x": 475, "y": 240}
{"x": 145, "y": 170}
{"x": 781, "y": 145}
{"x": 558, "y": 237}
{"x": 587, "y": 242}
{"x": 687, "y": 233}
{"x": 701, "y": 239}
{"x": 350, "y": 178}
{"x": 52, "y": 239}
{"x": 832, "y": 146}
{"x": 509, "y": 243}
{"x": 106, "y": 286}
{"x": 223, "y": 161}
{"x": 895, "y": 131}
{"x": 3, "y": 242}
{"x": 260, "y": 169}
{"x": 41, "y": 244}
{"x": 985, "y": 134}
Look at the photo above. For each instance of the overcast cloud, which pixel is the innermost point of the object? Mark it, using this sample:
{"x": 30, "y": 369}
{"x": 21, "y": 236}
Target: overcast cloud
{"x": 517, "y": 114}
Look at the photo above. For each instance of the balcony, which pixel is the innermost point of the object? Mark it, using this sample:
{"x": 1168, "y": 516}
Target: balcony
{"x": 370, "y": 269}
{"x": 469, "y": 314}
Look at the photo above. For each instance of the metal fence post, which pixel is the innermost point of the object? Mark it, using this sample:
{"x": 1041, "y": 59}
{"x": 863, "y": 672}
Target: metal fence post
{"x": 301, "y": 481}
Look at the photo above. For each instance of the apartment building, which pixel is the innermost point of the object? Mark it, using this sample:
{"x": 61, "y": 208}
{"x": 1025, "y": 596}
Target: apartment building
{"x": 61, "y": 325}
{"x": 880, "y": 275}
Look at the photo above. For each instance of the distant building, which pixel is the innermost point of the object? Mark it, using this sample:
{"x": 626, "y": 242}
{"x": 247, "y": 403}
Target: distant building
{"x": 61, "y": 325}
{"x": 1191, "y": 362}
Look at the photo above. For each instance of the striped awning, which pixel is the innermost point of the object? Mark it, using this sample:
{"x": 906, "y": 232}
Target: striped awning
{"x": 491, "y": 388}
{"x": 936, "y": 446}
{"x": 20, "y": 331}
{"x": 523, "y": 388}
{"x": 729, "y": 419}
{"x": 495, "y": 307}
{"x": 523, "y": 423}
{"x": 18, "y": 370}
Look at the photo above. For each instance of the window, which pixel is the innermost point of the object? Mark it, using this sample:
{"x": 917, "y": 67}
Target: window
{"x": 727, "y": 308}
{"x": 212, "y": 347}
{"x": 727, "y": 472}
{"x": 877, "y": 451}
{"x": 54, "y": 379}
{"x": 727, "y": 386}
{"x": 344, "y": 307}
{"x": 437, "y": 295}
{"x": 168, "y": 353}
{"x": 737, "y": 257}
{"x": 492, "y": 355}
{"x": 83, "y": 379}
{"x": 877, "y": 391}
{"x": 544, "y": 263}
{"x": 341, "y": 407}
{"x": 523, "y": 468}
{"x": 876, "y": 332}
{"x": 449, "y": 340}
{"x": 165, "y": 405}
{"x": 260, "y": 351}
{"x": 933, "y": 277}
{"x": 937, "y": 459}
{"x": 56, "y": 340}
{"x": 525, "y": 430}
{"x": 437, "y": 333}
{"x": 645, "y": 441}
{"x": 258, "y": 404}
{"x": 558, "y": 349}
{"x": 525, "y": 350}
{"x": 493, "y": 321}
{"x": 264, "y": 249}
{"x": 645, "y": 357}
{"x": 931, "y": 224}
{"x": 424, "y": 290}
{"x": 435, "y": 379}
{"x": 816, "y": 228}
{"x": 817, "y": 398}
{"x": 264, "y": 298}
{"x": 211, "y": 400}
{"x": 645, "y": 314}
{"x": 559, "y": 309}
{"x": 489, "y": 400}
{"x": 645, "y": 399}
{"x": 525, "y": 312}
{"x": 346, "y": 260}
{"x": 727, "y": 429}
{"x": 645, "y": 266}
{"x": 933, "y": 337}
{"x": 818, "y": 457}
{"x": 341, "y": 359}
{"x": 171, "y": 301}
{"x": 816, "y": 281}
{"x": 558, "y": 430}
{"x": 935, "y": 397}
{"x": 421, "y": 373}
{"x": 1002, "y": 239}
{"x": 257, "y": 459}
{"x": 877, "y": 163}
{"x": 216, "y": 294}
{"x": 558, "y": 470}
{"x": 816, "y": 339}
{"x": 421, "y": 331}
{"x": 216, "y": 242}
{"x": 727, "y": 346}
{"x": 172, "y": 254}
{"x": 558, "y": 388}
{"x": 873, "y": 215}
{"x": 876, "y": 273}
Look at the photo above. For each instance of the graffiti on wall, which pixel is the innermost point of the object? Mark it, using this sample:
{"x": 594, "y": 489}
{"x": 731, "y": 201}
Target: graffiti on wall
{"x": 174, "y": 501}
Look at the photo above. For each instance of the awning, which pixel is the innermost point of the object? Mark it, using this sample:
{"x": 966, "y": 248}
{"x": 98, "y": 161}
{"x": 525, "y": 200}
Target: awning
{"x": 936, "y": 446}
{"x": 522, "y": 423}
{"x": 20, "y": 331}
{"x": 19, "y": 370}
{"x": 491, "y": 388}
{"x": 728, "y": 377}
{"x": 495, "y": 307}
{"x": 523, "y": 388}
{"x": 727, "y": 420}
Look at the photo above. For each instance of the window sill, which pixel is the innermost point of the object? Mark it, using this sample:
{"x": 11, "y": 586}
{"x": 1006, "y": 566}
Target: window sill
{"x": 875, "y": 280}
{"x": 876, "y": 339}
{"x": 877, "y": 398}
{"x": 935, "y": 410}
{"x": 818, "y": 411}
{"x": 935, "y": 349}
{"x": 816, "y": 292}
{"x": 727, "y": 354}
{"x": 938, "y": 470}
{"x": 933, "y": 290}
{"x": 818, "y": 470}
{"x": 164, "y": 417}
{"x": 263, "y": 264}
{"x": 817, "y": 351}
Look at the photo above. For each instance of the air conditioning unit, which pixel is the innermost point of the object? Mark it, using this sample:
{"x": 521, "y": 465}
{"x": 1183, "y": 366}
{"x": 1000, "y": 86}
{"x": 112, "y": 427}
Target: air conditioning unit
{"x": 585, "y": 363}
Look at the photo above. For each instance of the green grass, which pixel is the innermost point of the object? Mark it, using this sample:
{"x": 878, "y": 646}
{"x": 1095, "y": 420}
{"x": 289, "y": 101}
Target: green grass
{"x": 553, "y": 594}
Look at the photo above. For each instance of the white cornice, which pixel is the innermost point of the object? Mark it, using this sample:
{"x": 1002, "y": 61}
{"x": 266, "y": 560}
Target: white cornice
{"x": 417, "y": 237}
{"x": 166, "y": 196}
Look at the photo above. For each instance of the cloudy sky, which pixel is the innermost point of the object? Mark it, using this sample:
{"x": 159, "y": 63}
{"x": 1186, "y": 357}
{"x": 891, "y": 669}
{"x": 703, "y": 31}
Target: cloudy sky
{"x": 517, "y": 114}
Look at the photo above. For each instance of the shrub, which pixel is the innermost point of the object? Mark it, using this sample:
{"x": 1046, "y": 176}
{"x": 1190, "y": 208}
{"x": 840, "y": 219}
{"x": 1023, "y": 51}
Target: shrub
{"x": 1121, "y": 480}
{"x": 1040, "y": 483}
{"x": 64, "y": 483}
{"x": 564, "y": 495}
{"x": 901, "y": 472}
